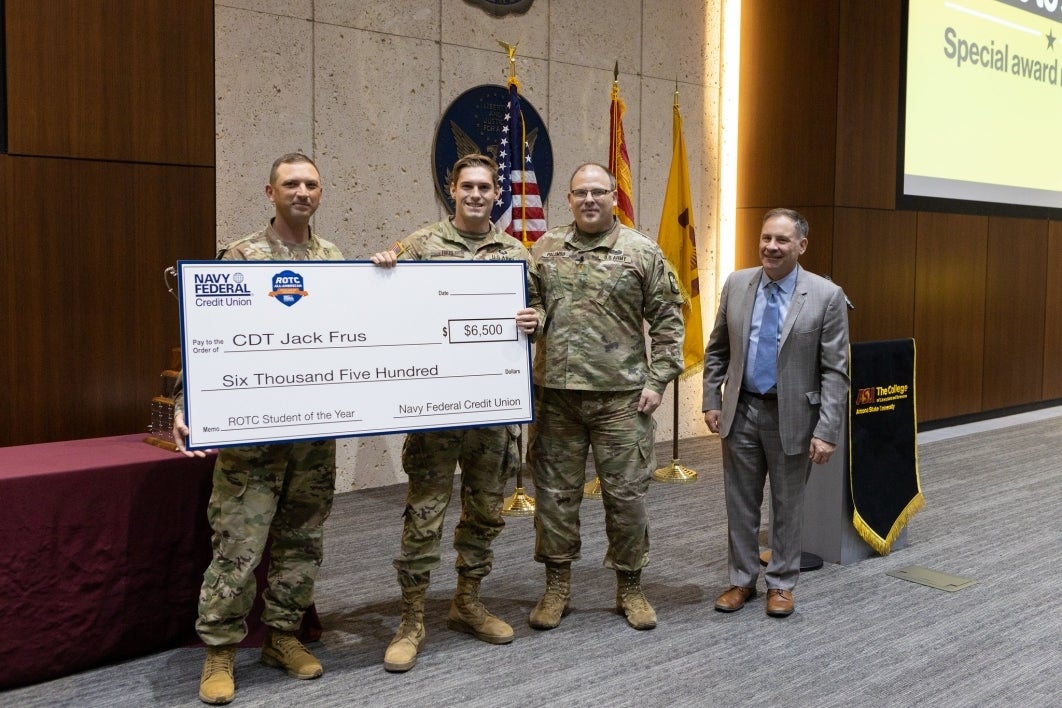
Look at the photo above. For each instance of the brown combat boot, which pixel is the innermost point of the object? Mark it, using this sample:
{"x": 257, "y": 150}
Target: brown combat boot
{"x": 283, "y": 651}
{"x": 468, "y": 615}
{"x": 401, "y": 654}
{"x": 557, "y": 600}
{"x": 216, "y": 684}
{"x": 631, "y": 602}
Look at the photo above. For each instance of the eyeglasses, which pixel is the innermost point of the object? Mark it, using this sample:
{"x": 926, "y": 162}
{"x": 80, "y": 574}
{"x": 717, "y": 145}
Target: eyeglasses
{"x": 595, "y": 193}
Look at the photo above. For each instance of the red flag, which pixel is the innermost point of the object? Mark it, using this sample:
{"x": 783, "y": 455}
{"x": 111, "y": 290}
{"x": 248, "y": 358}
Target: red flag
{"x": 618, "y": 161}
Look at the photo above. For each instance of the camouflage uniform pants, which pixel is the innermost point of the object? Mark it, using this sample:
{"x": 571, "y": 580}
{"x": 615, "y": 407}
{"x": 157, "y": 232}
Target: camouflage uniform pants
{"x": 567, "y": 424}
{"x": 487, "y": 457}
{"x": 283, "y": 492}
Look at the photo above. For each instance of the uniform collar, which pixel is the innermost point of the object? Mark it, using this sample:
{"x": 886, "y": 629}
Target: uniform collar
{"x": 582, "y": 241}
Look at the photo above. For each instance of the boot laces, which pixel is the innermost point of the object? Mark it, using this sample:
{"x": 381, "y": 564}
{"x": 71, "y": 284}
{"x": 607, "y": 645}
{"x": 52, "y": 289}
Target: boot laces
{"x": 633, "y": 597}
{"x": 288, "y": 645}
{"x": 219, "y": 662}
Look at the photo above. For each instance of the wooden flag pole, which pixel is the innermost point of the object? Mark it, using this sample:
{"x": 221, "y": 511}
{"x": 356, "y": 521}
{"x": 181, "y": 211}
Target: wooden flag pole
{"x": 519, "y": 503}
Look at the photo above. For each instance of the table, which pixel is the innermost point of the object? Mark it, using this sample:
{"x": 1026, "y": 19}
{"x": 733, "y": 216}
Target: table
{"x": 103, "y": 543}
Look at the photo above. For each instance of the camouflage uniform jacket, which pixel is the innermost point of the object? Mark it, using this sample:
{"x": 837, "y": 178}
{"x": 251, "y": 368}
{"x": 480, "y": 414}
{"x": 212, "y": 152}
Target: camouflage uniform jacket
{"x": 596, "y": 291}
{"x": 441, "y": 241}
{"x": 265, "y": 245}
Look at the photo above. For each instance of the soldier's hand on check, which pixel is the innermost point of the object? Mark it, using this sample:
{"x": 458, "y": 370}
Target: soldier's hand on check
{"x": 527, "y": 320}
{"x": 387, "y": 259}
{"x": 180, "y": 434}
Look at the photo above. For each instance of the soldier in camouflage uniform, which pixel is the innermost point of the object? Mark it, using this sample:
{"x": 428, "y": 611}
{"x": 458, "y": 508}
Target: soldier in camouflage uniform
{"x": 487, "y": 456}
{"x": 279, "y": 491}
{"x": 595, "y": 389}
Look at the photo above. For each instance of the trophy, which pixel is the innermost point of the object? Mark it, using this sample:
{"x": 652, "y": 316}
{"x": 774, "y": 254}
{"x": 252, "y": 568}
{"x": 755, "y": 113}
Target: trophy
{"x": 160, "y": 429}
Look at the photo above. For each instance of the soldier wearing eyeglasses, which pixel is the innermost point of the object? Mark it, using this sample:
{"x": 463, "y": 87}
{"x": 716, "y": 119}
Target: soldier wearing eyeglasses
{"x": 595, "y": 389}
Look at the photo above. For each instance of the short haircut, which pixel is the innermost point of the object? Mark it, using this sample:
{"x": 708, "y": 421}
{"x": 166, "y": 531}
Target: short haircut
{"x": 474, "y": 159}
{"x": 291, "y": 158}
{"x": 796, "y": 217}
{"x": 607, "y": 171}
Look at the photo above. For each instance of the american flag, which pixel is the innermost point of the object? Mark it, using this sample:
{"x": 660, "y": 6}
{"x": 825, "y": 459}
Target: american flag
{"x": 518, "y": 211}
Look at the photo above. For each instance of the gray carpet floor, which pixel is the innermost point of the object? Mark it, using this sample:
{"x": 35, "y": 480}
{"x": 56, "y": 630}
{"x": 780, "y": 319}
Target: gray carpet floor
{"x": 858, "y": 637}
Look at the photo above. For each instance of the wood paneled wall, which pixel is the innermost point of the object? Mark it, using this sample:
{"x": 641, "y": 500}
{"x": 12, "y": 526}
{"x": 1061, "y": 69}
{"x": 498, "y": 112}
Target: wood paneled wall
{"x": 129, "y": 80}
{"x": 109, "y": 179}
{"x": 818, "y": 132}
{"x": 1053, "y": 315}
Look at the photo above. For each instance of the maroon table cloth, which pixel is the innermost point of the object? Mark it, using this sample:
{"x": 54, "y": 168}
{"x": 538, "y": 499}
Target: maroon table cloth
{"x": 103, "y": 543}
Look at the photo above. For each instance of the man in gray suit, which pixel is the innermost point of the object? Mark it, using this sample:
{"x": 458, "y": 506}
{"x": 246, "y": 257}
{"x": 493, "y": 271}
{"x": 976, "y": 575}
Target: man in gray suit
{"x": 776, "y": 392}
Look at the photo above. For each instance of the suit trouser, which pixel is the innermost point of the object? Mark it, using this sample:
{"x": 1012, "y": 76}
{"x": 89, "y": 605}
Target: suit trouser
{"x": 752, "y": 452}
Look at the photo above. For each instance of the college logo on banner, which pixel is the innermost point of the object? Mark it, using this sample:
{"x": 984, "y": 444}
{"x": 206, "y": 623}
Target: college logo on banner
{"x": 477, "y": 121}
{"x": 288, "y": 287}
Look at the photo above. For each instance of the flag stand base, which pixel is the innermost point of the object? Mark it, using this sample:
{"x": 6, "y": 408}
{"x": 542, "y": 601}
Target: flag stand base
{"x": 808, "y": 561}
{"x": 592, "y": 489}
{"x": 675, "y": 473}
{"x": 518, "y": 504}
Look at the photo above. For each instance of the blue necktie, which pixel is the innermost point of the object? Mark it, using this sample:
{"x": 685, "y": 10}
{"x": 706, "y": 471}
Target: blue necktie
{"x": 765, "y": 368}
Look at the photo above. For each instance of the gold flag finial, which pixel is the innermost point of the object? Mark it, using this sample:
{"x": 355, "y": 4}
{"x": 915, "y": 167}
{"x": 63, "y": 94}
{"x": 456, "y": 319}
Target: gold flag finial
{"x": 615, "y": 73}
{"x": 511, "y": 49}
{"x": 676, "y": 91}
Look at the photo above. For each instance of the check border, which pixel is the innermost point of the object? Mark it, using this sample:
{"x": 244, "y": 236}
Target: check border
{"x": 356, "y": 350}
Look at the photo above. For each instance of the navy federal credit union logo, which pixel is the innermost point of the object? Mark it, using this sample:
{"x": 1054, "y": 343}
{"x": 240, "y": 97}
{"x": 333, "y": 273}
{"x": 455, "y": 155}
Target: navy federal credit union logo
{"x": 221, "y": 290}
{"x": 474, "y": 123}
{"x": 502, "y": 7}
{"x": 288, "y": 287}
{"x": 220, "y": 285}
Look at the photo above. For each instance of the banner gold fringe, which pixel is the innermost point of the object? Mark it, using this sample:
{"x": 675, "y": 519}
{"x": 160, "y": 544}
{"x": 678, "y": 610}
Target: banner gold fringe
{"x": 884, "y": 545}
{"x": 693, "y": 370}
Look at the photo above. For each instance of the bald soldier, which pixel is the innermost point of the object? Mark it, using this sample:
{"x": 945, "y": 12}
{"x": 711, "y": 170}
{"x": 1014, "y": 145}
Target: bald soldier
{"x": 280, "y": 491}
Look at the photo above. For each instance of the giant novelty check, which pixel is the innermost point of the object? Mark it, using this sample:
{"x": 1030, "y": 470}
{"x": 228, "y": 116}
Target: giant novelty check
{"x": 283, "y": 350}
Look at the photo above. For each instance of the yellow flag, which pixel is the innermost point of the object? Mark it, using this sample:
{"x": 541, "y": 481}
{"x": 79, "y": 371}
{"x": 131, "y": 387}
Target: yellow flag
{"x": 678, "y": 241}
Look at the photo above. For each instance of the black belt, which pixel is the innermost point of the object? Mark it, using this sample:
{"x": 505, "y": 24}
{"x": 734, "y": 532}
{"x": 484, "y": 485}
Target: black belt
{"x": 761, "y": 396}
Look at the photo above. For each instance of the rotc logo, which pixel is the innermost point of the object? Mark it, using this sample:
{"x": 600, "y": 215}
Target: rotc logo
{"x": 288, "y": 288}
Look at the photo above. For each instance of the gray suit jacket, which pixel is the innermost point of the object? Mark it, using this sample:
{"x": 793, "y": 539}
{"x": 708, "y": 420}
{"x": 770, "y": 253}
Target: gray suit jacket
{"x": 812, "y": 358}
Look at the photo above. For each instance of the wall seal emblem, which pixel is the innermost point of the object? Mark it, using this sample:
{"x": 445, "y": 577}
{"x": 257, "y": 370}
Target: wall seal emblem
{"x": 499, "y": 8}
{"x": 474, "y": 123}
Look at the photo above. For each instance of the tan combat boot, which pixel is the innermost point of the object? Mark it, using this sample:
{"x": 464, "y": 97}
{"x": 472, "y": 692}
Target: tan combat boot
{"x": 283, "y": 651}
{"x": 631, "y": 602}
{"x": 557, "y": 600}
{"x": 401, "y": 654}
{"x": 468, "y": 615}
{"x": 216, "y": 683}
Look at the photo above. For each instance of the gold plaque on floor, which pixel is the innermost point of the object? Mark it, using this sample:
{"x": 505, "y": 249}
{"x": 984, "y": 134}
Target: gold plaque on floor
{"x": 932, "y": 578}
